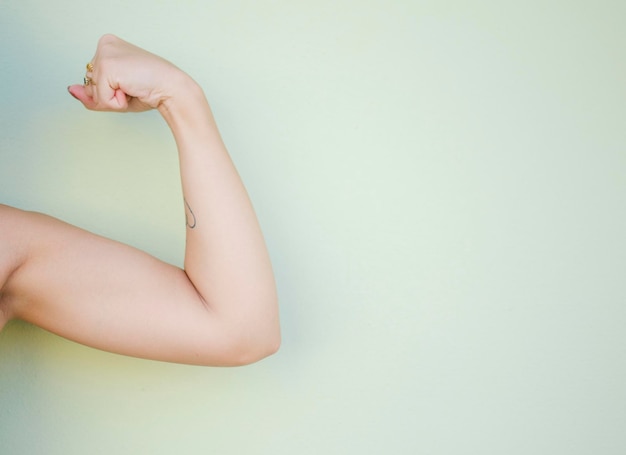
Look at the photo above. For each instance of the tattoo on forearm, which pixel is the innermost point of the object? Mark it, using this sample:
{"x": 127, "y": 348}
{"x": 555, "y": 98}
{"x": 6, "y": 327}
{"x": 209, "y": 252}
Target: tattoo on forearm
{"x": 190, "y": 218}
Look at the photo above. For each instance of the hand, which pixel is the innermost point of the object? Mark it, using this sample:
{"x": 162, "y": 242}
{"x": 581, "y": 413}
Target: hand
{"x": 126, "y": 78}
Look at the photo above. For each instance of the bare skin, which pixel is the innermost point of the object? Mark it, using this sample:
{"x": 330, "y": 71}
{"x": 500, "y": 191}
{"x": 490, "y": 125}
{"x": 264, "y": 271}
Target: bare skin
{"x": 220, "y": 310}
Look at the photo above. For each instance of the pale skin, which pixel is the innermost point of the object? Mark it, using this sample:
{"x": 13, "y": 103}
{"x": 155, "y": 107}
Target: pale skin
{"x": 220, "y": 310}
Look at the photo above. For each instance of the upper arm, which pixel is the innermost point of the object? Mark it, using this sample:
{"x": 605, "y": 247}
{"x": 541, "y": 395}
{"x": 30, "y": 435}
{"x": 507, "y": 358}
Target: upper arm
{"x": 111, "y": 296}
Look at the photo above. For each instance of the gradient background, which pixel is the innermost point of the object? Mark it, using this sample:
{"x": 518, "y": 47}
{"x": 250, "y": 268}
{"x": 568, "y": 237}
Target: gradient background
{"x": 442, "y": 186}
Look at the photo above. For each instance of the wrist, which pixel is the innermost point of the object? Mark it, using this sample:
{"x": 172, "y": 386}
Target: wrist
{"x": 182, "y": 96}
{"x": 187, "y": 112}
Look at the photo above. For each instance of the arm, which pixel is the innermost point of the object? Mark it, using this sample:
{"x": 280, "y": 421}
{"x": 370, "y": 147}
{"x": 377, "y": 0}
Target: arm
{"x": 221, "y": 309}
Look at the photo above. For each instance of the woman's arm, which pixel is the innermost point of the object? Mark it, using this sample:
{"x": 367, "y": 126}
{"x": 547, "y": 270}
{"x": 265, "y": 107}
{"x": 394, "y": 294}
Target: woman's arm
{"x": 222, "y": 309}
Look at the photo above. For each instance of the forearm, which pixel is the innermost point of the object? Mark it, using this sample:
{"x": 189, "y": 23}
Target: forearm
{"x": 225, "y": 257}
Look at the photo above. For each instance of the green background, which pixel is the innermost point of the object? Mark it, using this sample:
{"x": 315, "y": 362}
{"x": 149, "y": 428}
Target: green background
{"x": 442, "y": 188}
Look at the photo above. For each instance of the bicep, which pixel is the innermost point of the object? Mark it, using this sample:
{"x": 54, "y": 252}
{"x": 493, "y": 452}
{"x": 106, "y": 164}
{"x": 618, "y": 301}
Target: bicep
{"x": 111, "y": 296}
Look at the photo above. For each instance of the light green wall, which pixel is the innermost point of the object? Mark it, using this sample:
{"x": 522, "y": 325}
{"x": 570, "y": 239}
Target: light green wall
{"x": 442, "y": 186}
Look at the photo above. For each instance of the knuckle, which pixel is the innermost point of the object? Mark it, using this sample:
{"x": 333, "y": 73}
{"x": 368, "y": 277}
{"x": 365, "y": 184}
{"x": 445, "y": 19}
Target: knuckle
{"x": 107, "y": 39}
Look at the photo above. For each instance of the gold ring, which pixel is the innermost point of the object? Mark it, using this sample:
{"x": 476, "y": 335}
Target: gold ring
{"x": 89, "y": 66}
{"x": 88, "y": 81}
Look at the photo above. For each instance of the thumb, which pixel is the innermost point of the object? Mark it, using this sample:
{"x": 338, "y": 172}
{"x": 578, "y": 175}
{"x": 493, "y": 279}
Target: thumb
{"x": 119, "y": 100}
{"x": 78, "y": 92}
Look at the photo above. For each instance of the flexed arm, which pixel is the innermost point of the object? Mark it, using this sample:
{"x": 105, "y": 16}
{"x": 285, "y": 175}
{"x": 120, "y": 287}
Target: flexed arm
{"x": 221, "y": 309}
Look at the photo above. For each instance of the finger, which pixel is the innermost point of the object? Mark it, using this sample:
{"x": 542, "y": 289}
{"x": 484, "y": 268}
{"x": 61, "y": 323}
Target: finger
{"x": 80, "y": 93}
{"x": 106, "y": 96}
{"x": 91, "y": 92}
{"x": 89, "y": 80}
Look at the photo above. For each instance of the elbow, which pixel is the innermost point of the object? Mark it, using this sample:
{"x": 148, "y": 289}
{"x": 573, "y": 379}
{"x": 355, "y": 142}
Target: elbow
{"x": 269, "y": 347}
{"x": 253, "y": 338}
{"x": 272, "y": 345}
{"x": 246, "y": 354}
{"x": 246, "y": 349}
{"x": 243, "y": 336}
{"x": 262, "y": 346}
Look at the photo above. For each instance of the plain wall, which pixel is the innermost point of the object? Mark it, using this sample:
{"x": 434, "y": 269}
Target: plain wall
{"x": 442, "y": 187}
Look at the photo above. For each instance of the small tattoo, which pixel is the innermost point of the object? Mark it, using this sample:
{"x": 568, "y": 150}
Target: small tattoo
{"x": 190, "y": 224}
